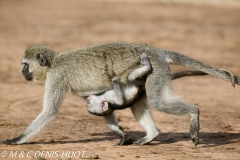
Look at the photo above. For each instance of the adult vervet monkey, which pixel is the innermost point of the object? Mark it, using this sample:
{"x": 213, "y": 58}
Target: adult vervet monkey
{"x": 89, "y": 71}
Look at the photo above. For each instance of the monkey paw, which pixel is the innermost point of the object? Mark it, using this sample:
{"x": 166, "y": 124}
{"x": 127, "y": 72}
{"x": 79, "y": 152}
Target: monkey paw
{"x": 194, "y": 136}
{"x": 7, "y": 141}
{"x": 195, "y": 140}
{"x": 10, "y": 141}
{"x": 17, "y": 140}
{"x": 115, "y": 80}
{"x": 144, "y": 59}
{"x": 142, "y": 141}
{"x": 144, "y": 54}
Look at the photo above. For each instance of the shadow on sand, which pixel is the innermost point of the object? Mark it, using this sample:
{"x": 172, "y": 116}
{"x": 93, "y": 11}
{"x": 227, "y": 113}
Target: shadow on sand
{"x": 206, "y": 139}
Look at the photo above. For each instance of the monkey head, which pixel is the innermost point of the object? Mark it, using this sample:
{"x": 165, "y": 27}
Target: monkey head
{"x": 37, "y": 60}
{"x": 97, "y": 106}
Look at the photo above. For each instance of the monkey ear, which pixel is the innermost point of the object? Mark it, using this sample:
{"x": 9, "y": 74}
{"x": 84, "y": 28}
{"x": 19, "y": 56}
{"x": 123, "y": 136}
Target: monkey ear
{"x": 104, "y": 106}
{"x": 42, "y": 59}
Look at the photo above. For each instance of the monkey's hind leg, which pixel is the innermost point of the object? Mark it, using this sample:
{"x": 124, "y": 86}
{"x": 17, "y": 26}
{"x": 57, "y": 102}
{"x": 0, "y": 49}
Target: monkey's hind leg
{"x": 112, "y": 123}
{"x": 142, "y": 113}
{"x": 160, "y": 96}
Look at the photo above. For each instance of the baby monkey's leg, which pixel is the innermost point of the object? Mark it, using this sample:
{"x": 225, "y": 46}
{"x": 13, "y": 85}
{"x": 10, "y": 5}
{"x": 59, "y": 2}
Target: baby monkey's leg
{"x": 140, "y": 72}
{"x": 144, "y": 61}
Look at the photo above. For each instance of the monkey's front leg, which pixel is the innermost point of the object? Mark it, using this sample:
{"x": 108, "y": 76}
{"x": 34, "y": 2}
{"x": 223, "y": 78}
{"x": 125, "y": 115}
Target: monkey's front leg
{"x": 112, "y": 123}
{"x": 52, "y": 99}
{"x": 36, "y": 126}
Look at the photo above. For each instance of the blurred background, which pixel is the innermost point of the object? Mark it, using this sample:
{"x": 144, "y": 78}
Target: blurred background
{"x": 196, "y": 28}
{"x": 207, "y": 30}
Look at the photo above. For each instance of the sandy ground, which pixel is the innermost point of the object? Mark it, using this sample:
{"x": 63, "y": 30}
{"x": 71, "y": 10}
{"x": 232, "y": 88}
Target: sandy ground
{"x": 205, "y": 32}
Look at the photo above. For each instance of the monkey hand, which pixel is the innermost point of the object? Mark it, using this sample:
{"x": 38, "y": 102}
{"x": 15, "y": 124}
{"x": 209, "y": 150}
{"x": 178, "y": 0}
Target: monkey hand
{"x": 144, "y": 59}
{"x": 115, "y": 80}
{"x": 13, "y": 141}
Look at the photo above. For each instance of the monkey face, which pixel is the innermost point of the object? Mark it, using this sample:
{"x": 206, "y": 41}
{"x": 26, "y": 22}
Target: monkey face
{"x": 37, "y": 60}
{"x": 32, "y": 71}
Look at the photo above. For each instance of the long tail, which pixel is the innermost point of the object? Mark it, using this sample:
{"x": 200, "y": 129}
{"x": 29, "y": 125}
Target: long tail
{"x": 227, "y": 75}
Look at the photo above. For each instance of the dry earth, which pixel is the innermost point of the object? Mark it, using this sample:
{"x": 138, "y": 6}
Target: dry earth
{"x": 205, "y": 32}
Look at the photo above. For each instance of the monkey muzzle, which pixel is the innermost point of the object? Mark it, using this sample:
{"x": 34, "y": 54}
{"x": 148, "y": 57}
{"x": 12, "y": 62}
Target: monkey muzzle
{"x": 25, "y": 72}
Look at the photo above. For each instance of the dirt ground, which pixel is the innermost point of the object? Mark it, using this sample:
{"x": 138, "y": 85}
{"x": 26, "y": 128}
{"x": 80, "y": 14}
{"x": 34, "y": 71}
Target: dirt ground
{"x": 210, "y": 33}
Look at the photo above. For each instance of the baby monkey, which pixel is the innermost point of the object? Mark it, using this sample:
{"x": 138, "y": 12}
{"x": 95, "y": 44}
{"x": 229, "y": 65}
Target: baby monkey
{"x": 98, "y": 104}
